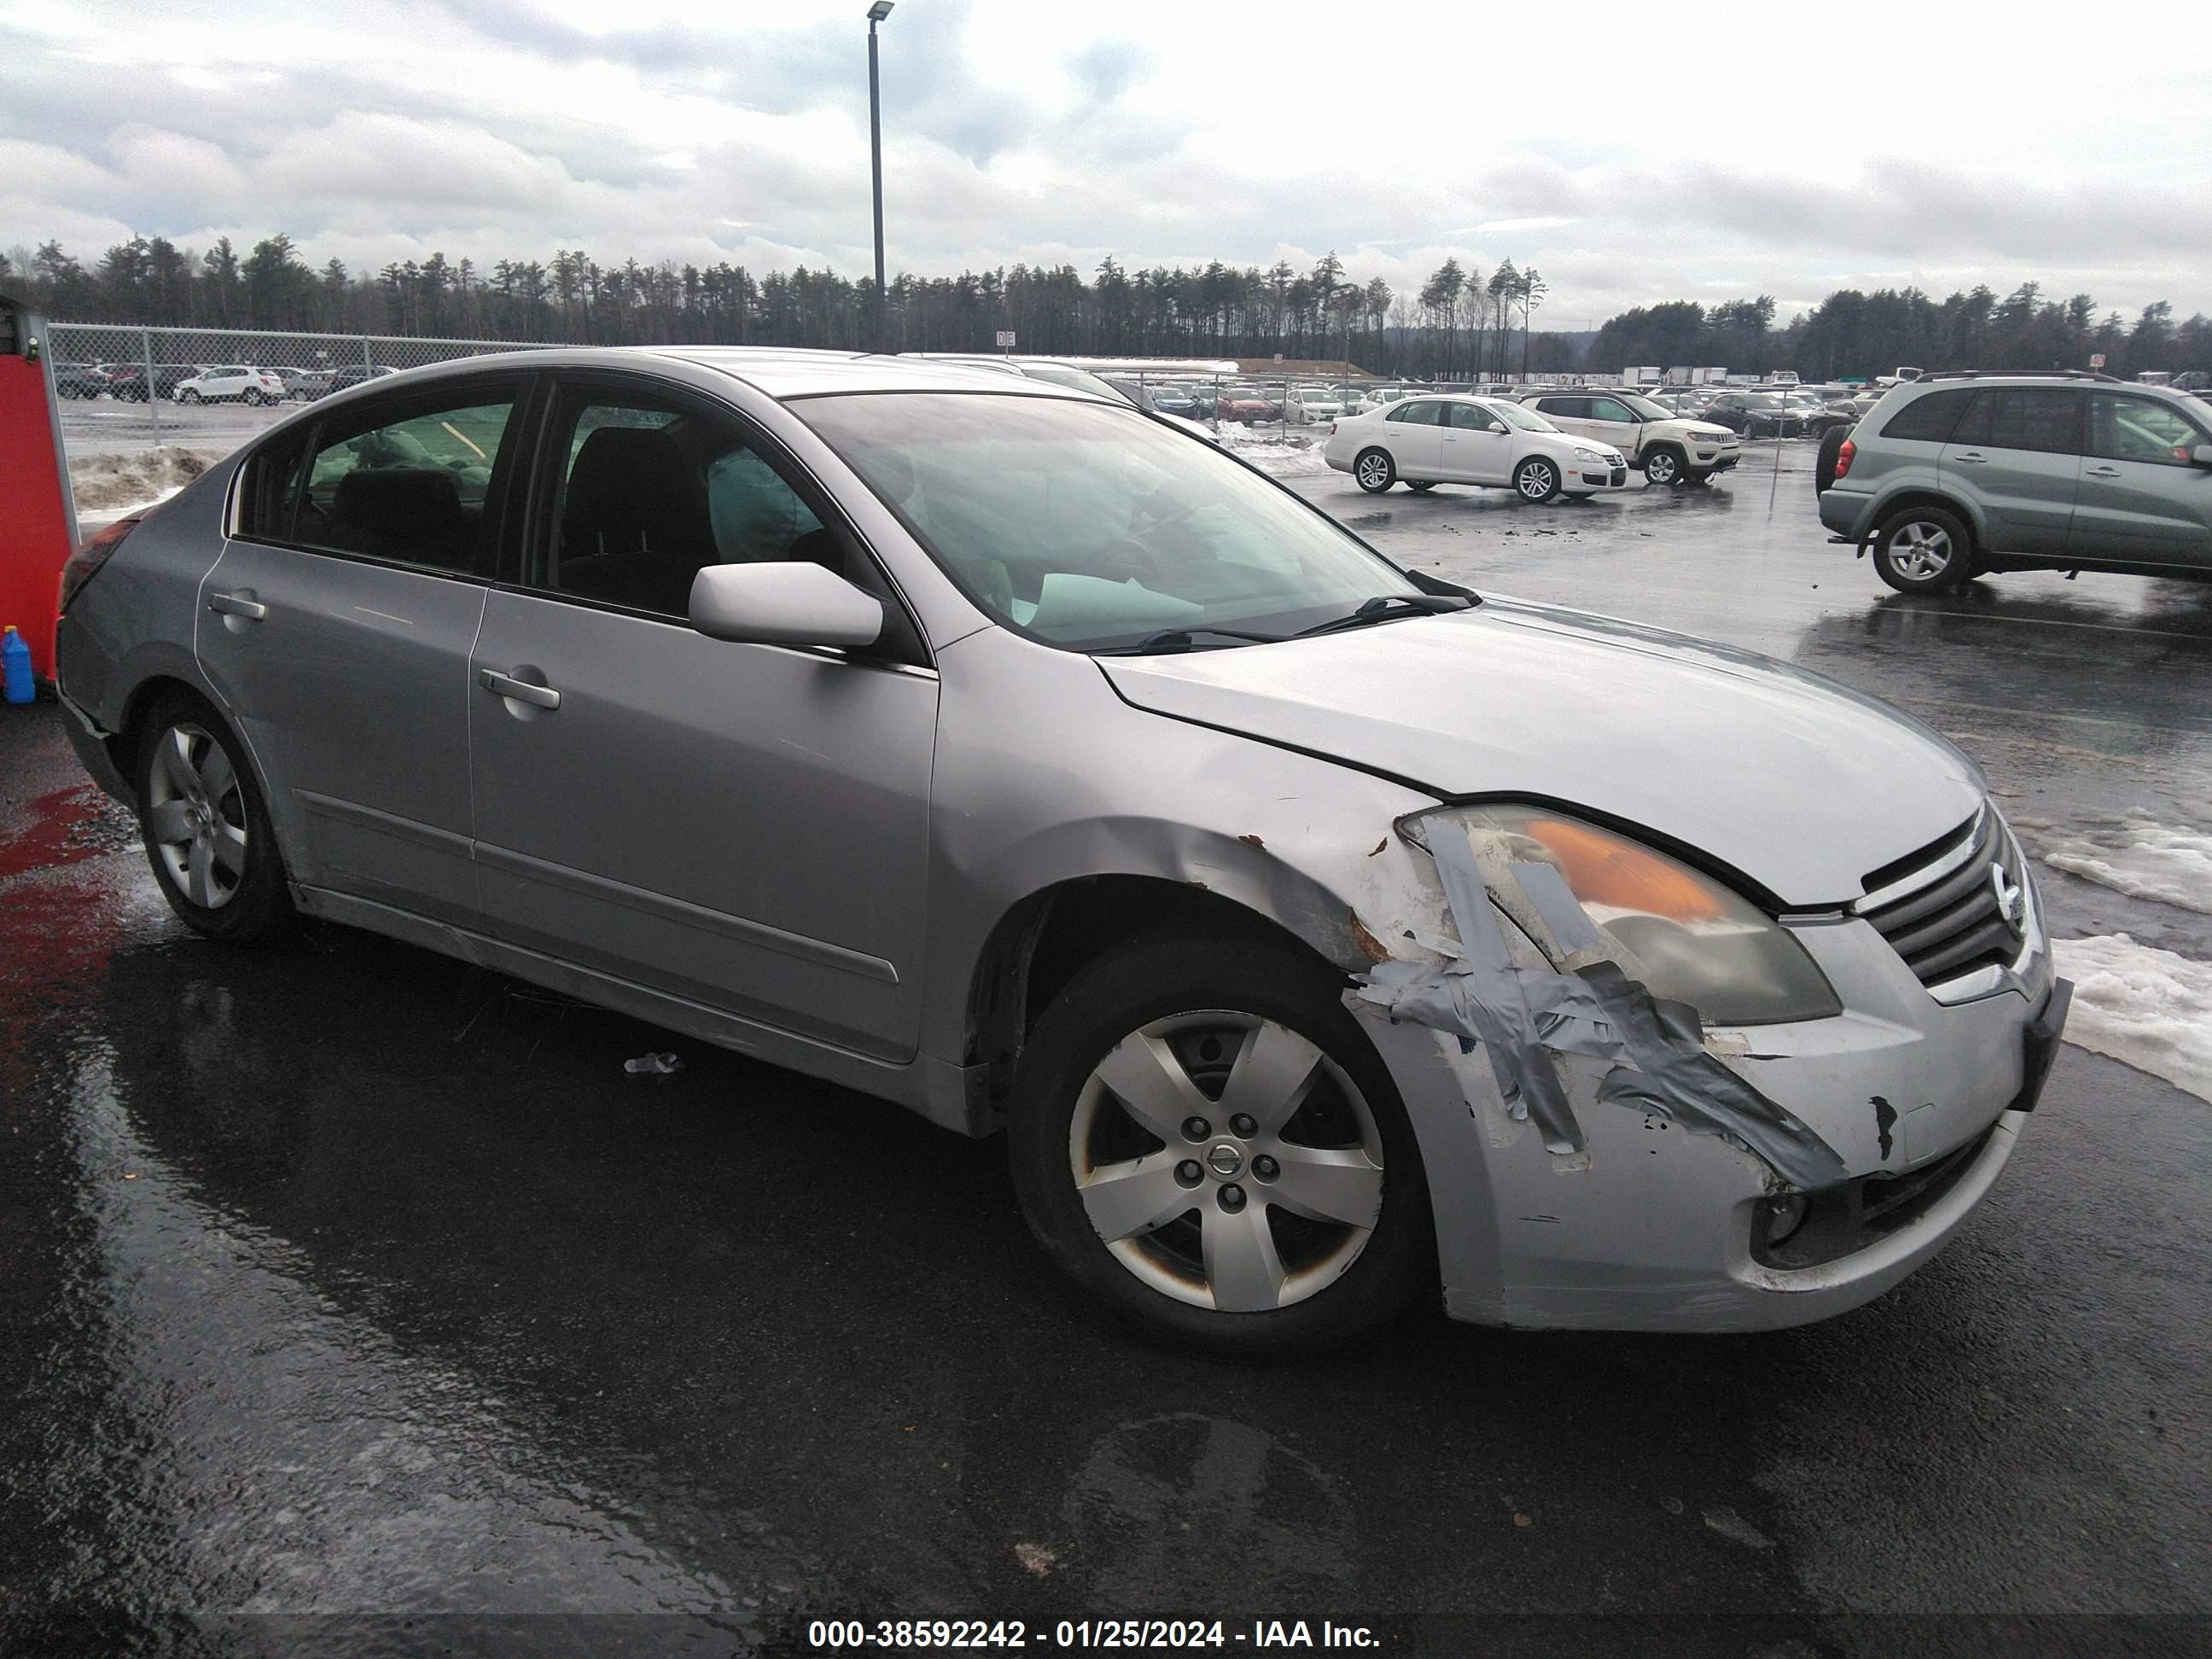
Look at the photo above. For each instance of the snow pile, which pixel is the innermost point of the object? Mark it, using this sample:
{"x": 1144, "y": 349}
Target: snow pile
{"x": 2150, "y": 1008}
{"x": 1280, "y": 454}
{"x": 119, "y": 483}
{"x": 2143, "y": 860}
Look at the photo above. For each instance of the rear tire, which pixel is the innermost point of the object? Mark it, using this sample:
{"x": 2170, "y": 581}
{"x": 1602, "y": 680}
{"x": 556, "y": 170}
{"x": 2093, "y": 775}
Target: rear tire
{"x": 1420, "y": 486}
{"x": 1536, "y": 480}
{"x": 1924, "y": 549}
{"x": 1374, "y": 471}
{"x": 1137, "y": 1052}
{"x": 205, "y": 826}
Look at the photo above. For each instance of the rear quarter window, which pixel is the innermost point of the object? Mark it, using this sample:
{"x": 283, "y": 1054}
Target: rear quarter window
{"x": 1930, "y": 419}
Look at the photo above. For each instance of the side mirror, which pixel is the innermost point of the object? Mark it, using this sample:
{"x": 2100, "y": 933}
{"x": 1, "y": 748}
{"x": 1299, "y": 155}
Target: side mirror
{"x": 2203, "y": 455}
{"x": 797, "y": 603}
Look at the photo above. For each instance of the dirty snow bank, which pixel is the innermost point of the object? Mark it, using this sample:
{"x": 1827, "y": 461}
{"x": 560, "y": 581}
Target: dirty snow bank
{"x": 115, "y": 484}
{"x": 2142, "y": 859}
{"x": 1277, "y": 453}
{"x": 2150, "y": 1008}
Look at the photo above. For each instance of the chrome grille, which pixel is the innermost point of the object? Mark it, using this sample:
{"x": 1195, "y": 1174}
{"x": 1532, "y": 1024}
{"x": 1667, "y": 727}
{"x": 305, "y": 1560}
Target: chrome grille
{"x": 1939, "y": 909}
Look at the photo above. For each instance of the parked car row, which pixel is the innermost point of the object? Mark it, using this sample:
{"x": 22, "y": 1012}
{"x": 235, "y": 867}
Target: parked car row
{"x": 208, "y": 383}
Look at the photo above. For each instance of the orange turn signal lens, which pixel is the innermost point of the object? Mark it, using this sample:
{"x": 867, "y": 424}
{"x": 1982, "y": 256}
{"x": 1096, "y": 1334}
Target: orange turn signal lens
{"x": 1605, "y": 869}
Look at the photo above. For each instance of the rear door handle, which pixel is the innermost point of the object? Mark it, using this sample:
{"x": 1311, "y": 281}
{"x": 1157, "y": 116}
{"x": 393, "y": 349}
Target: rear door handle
{"x": 2102, "y": 472}
{"x": 505, "y": 685}
{"x": 238, "y": 604}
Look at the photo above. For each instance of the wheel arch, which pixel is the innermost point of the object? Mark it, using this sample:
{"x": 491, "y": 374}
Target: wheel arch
{"x": 1922, "y": 496}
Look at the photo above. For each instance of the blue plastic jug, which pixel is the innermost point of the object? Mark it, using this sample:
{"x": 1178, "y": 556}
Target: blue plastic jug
{"x": 15, "y": 661}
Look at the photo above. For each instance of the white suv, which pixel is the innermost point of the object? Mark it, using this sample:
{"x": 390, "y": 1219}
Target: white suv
{"x": 1666, "y": 447}
{"x": 251, "y": 386}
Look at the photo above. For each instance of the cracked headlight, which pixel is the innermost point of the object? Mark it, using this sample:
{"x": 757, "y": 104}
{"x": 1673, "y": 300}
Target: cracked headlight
{"x": 1685, "y": 936}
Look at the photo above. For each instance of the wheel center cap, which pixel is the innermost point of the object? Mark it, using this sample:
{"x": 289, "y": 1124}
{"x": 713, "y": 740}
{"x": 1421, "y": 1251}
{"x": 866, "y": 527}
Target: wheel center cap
{"x": 1225, "y": 1160}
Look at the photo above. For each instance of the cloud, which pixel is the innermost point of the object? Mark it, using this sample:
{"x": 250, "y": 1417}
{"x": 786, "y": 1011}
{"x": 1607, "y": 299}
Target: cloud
{"x": 504, "y": 128}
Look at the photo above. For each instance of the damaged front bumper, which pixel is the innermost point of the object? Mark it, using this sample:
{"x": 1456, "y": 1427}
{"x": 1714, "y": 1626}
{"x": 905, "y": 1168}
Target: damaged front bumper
{"x": 1876, "y": 1131}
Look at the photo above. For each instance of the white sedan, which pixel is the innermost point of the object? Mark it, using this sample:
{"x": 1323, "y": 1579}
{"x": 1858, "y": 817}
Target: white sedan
{"x": 1431, "y": 440}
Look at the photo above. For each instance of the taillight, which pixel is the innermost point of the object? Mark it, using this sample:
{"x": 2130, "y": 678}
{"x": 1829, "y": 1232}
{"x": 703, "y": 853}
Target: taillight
{"x": 1843, "y": 458}
{"x": 85, "y": 564}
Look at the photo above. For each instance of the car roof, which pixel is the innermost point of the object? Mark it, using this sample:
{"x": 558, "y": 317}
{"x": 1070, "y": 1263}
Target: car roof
{"x": 781, "y": 373}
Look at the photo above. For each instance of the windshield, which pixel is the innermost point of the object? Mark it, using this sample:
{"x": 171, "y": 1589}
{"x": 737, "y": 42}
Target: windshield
{"x": 1083, "y": 527}
{"x": 1526, "y": 419}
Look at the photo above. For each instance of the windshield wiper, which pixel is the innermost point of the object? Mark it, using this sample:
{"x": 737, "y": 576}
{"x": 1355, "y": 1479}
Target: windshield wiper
{"x": 1179, "y": 639}
{"x": 1389, "y": 607}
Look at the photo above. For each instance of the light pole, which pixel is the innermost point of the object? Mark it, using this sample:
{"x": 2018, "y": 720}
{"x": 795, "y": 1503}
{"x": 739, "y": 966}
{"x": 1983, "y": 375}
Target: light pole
{"x": 876, "y": 13}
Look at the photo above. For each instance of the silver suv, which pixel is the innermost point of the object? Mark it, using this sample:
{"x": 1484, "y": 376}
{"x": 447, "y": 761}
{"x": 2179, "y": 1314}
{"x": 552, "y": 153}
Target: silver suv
{"x": 1959, "y": 475}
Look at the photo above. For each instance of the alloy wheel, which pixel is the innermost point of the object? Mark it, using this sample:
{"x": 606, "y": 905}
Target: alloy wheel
{"x": 1660, "y": 468}
{"x": 1226, "y": 1161}
{"x": 196, "y": 815}
{"x": 1538, "y": 480}
{"x": 1921, "y": 551}
{"x": 1373, "y": 472}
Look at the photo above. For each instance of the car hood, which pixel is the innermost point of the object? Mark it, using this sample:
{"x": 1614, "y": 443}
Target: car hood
{"x": 1800, "y": 784}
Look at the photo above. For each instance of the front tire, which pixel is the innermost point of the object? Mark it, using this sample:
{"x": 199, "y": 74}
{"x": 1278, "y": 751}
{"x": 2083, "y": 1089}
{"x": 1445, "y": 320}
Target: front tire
{"x": 1662, "y": 467}
{"x": 1203, "y": 1138}
{"x": 188, "y": 396}
{"x": 1374, "y": 471}
{"x": 1536, "y": 480}
{"x": 205, "y": 826}
{"x": 1924, "y": 549}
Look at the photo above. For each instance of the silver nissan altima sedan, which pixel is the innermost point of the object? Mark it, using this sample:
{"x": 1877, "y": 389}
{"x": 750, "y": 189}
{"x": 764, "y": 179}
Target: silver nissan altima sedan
{"x": 1314, "y": 930}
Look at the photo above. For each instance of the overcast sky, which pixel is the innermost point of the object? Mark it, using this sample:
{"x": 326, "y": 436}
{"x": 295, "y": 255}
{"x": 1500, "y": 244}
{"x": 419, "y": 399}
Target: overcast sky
{"x": 1632, "y": 153}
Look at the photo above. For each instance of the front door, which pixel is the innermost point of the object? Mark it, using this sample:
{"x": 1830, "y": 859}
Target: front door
{"x": 2143, "y": 497}
{"x": 1476, "y": 446}
{"x": 743, "y": 826}
{"x": 1611, "y": 421}
{"x": 337, "y": 626}
{"x": 2018, "y": 450}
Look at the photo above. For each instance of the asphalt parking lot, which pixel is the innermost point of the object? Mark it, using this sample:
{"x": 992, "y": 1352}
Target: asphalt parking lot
{"x": 340, "y": 1279}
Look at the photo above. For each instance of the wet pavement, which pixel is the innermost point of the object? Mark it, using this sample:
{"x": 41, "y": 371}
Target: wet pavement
{"x": 337, "y": 1279}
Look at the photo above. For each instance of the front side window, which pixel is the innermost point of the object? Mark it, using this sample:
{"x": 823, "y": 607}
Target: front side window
{"x": 407, "y": 483}
{"x": 1085, "y": 527}
{"x": 2139, "y": 429}
{"x": 1605, "y": 409}
{"x": 648, "y": 493}
{"x": 1474, "y": 417}
{"x": 1522, "y": 415}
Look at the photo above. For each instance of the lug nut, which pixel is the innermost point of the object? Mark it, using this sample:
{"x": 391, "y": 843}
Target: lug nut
{"x": 1232, "y": 1198}
{"x": 1188, "y": 1174}
{"x": 1196, "y": 1128}
{"x": 1265, "y": 1167}
{"x": 1244, "y": 1125}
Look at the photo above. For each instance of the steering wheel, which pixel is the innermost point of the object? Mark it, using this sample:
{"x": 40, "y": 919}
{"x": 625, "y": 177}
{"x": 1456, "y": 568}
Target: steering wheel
{"x": 1123, "y": 556}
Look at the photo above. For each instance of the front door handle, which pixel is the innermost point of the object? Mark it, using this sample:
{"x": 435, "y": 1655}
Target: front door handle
{"x": 1971, "y": 456}
{"x": 2102, "y": 472}
{"x": 505, "y": 685}
{"x": 238, "y": 604}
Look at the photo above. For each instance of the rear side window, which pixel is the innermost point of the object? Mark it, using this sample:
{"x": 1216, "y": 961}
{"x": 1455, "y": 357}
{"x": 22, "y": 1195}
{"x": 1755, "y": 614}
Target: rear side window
{"x": 1570, "y": 409}
{"x": 272, "y": 491}
{"x": 2039, "y": 419}
{"x": 1930, "y": 419}
{"x": 410, "y": 484}
{"x": 1418, "y": 414}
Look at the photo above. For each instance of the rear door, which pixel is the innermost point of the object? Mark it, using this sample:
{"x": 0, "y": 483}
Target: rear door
{"x": 1568, "y": 413}
{"x": 2018, "y": 453}
{"x": 1413, "y": 432}
{"x": 2142, "y": 498}
{"x": 743, "y": 826}
{"x": 337, "y": 627}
